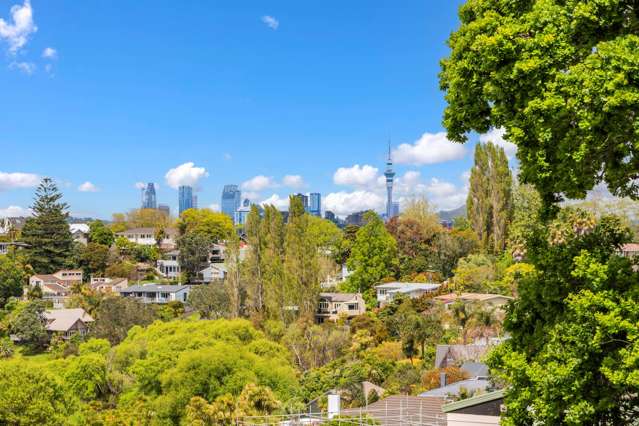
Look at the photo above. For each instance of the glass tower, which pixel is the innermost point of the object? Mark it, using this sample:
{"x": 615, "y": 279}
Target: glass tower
{"x": 148, "y": 197}
{"x": 185, "y": 198}
{"x": 315, "y": 207}
{"x": 231, "y": 199}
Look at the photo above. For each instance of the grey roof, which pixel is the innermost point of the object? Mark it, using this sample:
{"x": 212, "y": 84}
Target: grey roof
{"x": 154, "y": 288}
{"x": 459, "y": 353}
{"x": 401, "y": 410}
{"x": 339, "y": 297}
{"x": 470, "y": 385}
{"x": 475, "y": 369}
{"x": 63, "y": 319}
{"x": 475, "y": 400}
{"x": 398, "y": 285}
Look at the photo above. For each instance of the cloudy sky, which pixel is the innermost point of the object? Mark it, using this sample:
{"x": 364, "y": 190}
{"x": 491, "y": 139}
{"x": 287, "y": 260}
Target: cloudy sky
{"x": 278, "y": 97}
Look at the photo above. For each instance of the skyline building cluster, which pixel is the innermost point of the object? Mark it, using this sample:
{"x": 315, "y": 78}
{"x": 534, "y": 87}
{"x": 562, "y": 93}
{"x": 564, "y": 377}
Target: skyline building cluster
{"x": 231, "y": 200}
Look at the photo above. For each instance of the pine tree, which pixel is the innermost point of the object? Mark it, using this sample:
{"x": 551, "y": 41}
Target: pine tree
{"x": 489, "y": 202}
{"x": 47, "y": 233}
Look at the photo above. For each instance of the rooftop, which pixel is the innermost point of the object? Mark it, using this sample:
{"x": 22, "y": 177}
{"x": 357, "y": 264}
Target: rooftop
{"x": 471, "y": 385}
{"x": 339, "y": 297}
{"x": 63, "y": 319}
{"x": 154, "y": 288}
{"x": 475, "y": 400}
{"x": 475, "y": 297}
{"x": 412, "y": 286}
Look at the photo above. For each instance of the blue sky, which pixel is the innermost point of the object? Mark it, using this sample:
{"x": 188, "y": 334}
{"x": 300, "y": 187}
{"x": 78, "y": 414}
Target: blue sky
{"x": 279, "y": 96}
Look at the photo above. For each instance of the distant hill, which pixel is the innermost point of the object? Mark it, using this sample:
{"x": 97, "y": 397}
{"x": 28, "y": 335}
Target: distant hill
{"x": 452, "y": 214}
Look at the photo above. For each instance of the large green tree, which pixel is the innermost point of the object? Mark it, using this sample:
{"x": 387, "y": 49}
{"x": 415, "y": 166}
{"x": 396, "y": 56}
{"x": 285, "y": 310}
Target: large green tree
{"x": 46, "y": 233}
{"x": 373, "y": 257}
{"x": 13, "y": 276}
{"x": 572, "y": 355}
{"x": 489, "y": 202}
{"x": 560, "y": 78}
{"x": 195, "y": 250}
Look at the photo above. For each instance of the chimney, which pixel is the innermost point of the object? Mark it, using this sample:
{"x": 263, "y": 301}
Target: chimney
{"x": 442, "y": 379}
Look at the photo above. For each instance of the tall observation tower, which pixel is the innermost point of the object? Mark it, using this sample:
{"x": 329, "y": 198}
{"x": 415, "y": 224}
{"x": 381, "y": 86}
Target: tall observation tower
{"x": 390, "y": 174}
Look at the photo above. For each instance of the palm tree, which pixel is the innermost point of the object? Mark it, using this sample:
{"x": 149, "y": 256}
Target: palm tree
{"x": 484, "y": 322}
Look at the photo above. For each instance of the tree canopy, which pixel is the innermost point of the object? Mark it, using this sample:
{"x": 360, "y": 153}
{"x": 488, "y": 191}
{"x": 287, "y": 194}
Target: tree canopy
{"x": 560, "y": 79}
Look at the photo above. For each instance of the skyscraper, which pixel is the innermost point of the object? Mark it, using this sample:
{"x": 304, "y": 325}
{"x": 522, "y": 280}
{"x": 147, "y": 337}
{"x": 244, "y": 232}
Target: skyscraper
{"x": 148, "y": 197}
{"x": 185, "y": 198}
{"x": 231, "y": 199}
{"x": 315, "y": 207}
{"x": 390, "y": 174}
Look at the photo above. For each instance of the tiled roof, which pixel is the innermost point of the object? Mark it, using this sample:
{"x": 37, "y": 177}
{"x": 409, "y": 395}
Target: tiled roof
{"x": 339, "y": 297}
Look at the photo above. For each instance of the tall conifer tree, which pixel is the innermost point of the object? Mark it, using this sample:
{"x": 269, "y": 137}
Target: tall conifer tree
{"x": 47, "y": 233}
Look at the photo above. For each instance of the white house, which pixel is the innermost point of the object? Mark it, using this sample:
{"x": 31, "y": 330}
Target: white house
{"x": 484, "y": 299}
{"x": 146, "y": 237}
{"x": 56, "y": 294}
{"x": 79, "y": 232}
{"x": 154, "y": 293}
{"x": 386, "y": 292}
{"x": 64, "y": 277}
{"x": 214, "y": 272}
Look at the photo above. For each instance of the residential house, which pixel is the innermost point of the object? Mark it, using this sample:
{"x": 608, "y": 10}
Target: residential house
{"x": 456, "y": 355}
{"x": 154, "y": 293}
{"x": 56, "y": 294}
{"x": 485, "y": 299}
{"x": 213, "y": 272}
{"x": 480, "y": 410}
{"x": 473, "y": 386}
{"x": 64, "y": 277}
{"x": 630, "y": 250}
{"x": 109, "y": 285}
{"x": 386, "y": 292}
{"x": 332, "y": 306}
{"x": 67, "y": 322}
{"x": 146, "y": 237}
{"x": 169, "y": 267}
{"x": 79, "y": 232}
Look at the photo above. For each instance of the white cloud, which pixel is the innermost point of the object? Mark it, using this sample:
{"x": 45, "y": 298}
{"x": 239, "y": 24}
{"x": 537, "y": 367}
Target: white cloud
{"x": 259, "y": 183}
{"x": 250, "y": 195}
{"x": 88, "y": 187}
{"x": 50, "y": 53}
{"x": 280, "y": 202}
{"x": 271, "y": 22}
{"x": 140, "y": 185}
{"x": 429, "y": 149}
{"x": 25, "y": 67}
{"x": 15, "y": 211}
{"x": 16, "y": 33}
{"x": 185, "y": 174}
{"x": 344, "y": 203}
{"x": 215, "y": 207}
{"x": 18, "y": 180}
{"x": 356, "y": 176}
{"x": 293, "y": 181}
{"x": 496, "y": 136}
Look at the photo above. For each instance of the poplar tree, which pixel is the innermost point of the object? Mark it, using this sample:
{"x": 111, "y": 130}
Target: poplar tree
{"x": 273, "y": 262}
{"x": 301, "y": 261}
{"x": 47, "y": 232}
{"x": 253, "y": 264}
{"x": 489, "y": 202}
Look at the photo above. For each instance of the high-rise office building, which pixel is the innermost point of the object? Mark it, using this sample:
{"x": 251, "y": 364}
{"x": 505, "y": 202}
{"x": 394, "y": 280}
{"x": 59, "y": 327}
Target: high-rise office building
{"x": 241, "y": 214}
{"x": 164, "y": 208}
{"x": 315, "y": 204}
{"x": 194, "y": 202}
{"x": 185, "y": 198}
{"x": 390, "y": 174}
{"x": 149, "y": 200}
{"x": 231, "y": 199}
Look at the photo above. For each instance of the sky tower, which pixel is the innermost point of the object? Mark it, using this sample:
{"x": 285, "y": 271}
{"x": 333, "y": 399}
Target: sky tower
{"x": 390, "y": 174}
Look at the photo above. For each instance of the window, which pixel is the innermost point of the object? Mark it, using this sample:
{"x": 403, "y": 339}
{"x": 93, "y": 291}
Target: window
{"x": 323, "y": 304}
{"x": 353, "y": 306}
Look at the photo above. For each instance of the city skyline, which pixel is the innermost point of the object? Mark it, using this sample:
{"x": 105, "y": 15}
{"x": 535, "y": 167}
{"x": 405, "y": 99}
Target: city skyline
{"x": 321, "y": 101}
